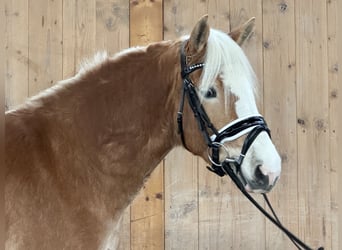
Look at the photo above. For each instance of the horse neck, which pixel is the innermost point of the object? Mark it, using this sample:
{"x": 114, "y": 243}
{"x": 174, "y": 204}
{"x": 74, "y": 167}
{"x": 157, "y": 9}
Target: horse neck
{"x": 128, "y": 110}
{"x": 114, "y": 123}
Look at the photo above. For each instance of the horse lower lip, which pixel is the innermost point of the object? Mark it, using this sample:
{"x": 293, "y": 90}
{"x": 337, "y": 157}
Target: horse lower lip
{"x": 249, "y": 189}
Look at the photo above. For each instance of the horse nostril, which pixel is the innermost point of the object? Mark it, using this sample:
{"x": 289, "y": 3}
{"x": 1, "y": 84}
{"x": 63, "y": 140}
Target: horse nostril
{"x": 258, "y": 173}
{"x": 261, "y": 177}
{"x": 262, "y": 174}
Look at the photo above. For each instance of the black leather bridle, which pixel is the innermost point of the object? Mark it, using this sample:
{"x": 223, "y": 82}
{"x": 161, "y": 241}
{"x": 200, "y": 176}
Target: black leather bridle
{"x": 251, "y": 126}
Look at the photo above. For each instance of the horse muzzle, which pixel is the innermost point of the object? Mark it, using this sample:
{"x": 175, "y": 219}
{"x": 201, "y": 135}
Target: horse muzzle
{"x": 263, "y": 180}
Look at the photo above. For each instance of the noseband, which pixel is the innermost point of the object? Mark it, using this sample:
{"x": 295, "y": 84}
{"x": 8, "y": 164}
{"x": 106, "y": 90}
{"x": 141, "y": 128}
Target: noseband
{"x": 251, "y": 126}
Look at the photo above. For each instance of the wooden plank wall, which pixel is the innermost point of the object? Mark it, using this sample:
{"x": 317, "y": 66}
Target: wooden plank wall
{"x": 183, "y": 206}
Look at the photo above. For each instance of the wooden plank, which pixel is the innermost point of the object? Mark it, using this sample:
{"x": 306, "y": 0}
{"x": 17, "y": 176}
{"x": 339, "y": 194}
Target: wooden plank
{"x": 339, "y": 117}
{"x": 280, "y": 110}
{"x": 16, "y": 39}
{"x": 146, "y": 22}
{"x": 247, "y": 236}
{"x": 69, "y": 38}
{"x": 45, "y": 45}
{"x": 112, "y": 25}
{"x": 218, "y": 12}
{"x": 147, "y": 214}
{"x": 220, "y": 224}
{"x": 85, "y": 30}
{"x": 147, "y": 210}
{"x": 335, "y": 119}
{"x": 181, "y": 201}
{"x": 313, "y": 123}
{"x": 181, "y": 16}
{"x": 3, "y": 44}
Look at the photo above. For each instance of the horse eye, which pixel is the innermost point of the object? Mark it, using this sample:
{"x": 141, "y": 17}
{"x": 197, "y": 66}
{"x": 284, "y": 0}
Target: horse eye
{"x": 211, "y": 93}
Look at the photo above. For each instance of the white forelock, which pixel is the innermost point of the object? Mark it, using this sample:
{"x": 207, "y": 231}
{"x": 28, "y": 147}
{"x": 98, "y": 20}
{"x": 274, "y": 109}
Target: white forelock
{"x": 225, "y": 59}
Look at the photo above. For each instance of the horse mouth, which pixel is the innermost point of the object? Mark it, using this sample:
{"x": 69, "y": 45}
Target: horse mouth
{"x": 259, "y": 183}
{"x": 255, "y": 186}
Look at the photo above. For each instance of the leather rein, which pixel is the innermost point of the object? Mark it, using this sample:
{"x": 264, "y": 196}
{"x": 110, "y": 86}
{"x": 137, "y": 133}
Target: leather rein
{"x": 251, "y": 126}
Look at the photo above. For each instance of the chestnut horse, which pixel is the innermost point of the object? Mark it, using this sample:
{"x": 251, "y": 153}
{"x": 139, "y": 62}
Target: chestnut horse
{"x": 78, "y": 153}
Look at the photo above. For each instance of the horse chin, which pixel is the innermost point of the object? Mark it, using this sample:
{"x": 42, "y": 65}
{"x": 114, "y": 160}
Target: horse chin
{"x": 250, "y": 189}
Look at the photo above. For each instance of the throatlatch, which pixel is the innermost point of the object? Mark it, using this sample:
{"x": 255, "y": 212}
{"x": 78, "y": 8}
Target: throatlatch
{"x": 252, "y": 126}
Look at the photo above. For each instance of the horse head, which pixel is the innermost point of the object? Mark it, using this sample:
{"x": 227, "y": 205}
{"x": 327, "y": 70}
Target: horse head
{"x": 220, "y": 121}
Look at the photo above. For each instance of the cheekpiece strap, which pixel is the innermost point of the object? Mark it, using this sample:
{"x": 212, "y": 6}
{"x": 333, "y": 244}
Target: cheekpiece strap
{"x": 189, "y": 91}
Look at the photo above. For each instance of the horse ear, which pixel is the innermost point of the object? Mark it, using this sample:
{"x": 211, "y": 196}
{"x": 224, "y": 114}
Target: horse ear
{"x": 199, "y": 35}
{"x": 241, "y": 34}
